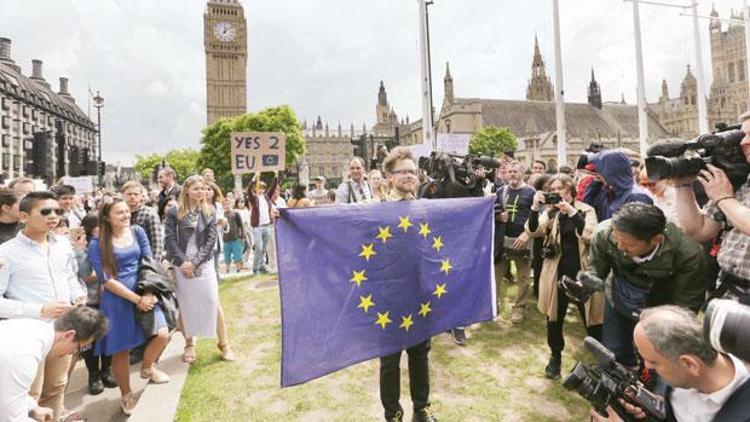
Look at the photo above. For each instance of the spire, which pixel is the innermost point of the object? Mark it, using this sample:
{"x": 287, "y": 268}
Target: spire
{"x": 595, "y": 93}
{"x": 622, "y": 98}
{"x": 447, "y": 85}
{"x": 382, "y": 96}
{"x": 715, "y": 25}
{"x": 539, "y": 87}
{"x": 319, "y": 124}
{"x": 664, "y": 92}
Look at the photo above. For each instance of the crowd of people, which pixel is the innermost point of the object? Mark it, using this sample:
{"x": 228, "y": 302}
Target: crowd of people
{"x": 107, "y": 277}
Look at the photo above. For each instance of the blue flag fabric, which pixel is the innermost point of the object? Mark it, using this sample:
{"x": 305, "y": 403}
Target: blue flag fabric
{"x": 367, "y": 280}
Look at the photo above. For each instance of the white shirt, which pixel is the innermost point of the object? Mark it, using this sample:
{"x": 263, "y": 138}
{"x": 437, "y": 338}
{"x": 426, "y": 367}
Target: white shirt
{"x": 31, "y": 276}
{"x": 690, "y": 405}
{"x": 74, "y": 217}
{"x": 263, "y": 216}
{"x": 19, "y": 361}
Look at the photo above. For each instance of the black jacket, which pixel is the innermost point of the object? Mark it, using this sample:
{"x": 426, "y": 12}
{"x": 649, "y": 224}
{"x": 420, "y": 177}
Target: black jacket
{"x": 154, "y": 280}
{"x": 178, "y": 232}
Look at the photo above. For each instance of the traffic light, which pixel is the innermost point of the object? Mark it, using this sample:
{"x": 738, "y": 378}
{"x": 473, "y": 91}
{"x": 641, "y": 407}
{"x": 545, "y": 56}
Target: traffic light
{"x": 74, "y": 161}
{"x": 37, "y": 153}
{"x": 360, "y": 146}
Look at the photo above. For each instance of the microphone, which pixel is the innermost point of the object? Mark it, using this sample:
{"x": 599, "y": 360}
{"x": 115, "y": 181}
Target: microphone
{"x": 671, "y": 148}
{"x": 487, "y": 162}
{"x": 590, "y": 281}
{"x": 601, "y": 353}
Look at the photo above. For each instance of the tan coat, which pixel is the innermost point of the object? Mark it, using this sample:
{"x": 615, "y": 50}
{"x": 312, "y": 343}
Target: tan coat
{"x": 549, "y": 230}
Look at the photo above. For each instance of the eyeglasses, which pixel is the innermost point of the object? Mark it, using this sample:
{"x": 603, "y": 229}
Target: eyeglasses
{"x": 402, "y": 172}
{"x": 83, "y": 349}
{"x": 46, "y": 211}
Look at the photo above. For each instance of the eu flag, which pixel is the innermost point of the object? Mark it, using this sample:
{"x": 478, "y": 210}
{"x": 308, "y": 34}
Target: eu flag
{"x": 367, "y": 280}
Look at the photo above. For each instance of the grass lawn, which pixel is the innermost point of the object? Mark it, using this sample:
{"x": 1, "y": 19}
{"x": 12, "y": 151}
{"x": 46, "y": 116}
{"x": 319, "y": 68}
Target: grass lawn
{"x": 497, "y": 377}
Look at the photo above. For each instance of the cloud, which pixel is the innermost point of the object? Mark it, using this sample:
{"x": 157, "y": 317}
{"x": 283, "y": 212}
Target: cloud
{"x": 327, "y": 57}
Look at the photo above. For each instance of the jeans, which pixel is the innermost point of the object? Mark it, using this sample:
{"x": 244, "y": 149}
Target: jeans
{"x": 419, "y": 379}
{"x": 617, "y": 335}
{"x": 262, "y": 235}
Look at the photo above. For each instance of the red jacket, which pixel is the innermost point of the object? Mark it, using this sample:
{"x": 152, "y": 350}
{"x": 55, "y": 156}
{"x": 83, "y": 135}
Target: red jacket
{"x": 253, "y": 197}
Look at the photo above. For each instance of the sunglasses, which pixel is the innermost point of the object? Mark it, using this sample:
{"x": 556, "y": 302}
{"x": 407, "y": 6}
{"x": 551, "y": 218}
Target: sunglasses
{"x": 46, "y": 211}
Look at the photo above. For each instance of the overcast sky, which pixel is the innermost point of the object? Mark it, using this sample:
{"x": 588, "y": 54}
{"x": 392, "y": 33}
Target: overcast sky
{"x": 327, "y": 57}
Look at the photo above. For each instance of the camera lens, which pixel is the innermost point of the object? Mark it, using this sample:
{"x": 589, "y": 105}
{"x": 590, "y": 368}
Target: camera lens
{"x": 725, "y": 326}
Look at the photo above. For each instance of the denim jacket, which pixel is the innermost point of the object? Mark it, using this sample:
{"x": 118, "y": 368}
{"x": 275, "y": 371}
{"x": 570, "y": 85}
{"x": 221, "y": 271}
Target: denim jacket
{"x": 178, "y": 232}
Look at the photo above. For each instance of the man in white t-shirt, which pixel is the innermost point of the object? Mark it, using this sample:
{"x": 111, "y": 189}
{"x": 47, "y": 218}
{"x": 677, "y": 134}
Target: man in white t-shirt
{"x": 26, "y": 343}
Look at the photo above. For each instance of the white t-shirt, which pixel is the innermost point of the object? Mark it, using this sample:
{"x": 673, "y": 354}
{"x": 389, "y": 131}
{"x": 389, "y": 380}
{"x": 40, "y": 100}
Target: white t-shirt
{"x": 690, "y": 405}
{"x": 263, "y": 215}
{"x": 25, "y": 342}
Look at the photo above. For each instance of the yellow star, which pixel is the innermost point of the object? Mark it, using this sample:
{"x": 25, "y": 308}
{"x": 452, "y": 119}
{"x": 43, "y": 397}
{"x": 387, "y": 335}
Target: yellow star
{"x": 437, "y": 243}
{"x": 358, "y": 277}
{"x": 383, "y": 319}
{"x": 367, "y": 251}
{"x": 445, "y": 265}
{"x": 424, "y": 309}
{"x": 384, "y": 233}
{"x": 365, "y": 302}
{"x": 404, "y": 223}
{"x": 440, "y": 290}
{"x": 406, "y": 322}
{"x": 424, "y": 229}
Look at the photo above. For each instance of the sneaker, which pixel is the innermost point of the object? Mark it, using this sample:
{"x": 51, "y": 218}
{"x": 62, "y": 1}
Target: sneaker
{"x": 517, "y": 316}
{"x": 96, "y": 386}
{"x": 398, "y": 417}
{"x": 108, "y": 380}
{"x": 552, "y": 370}
{"x": 154, "y": 375}
{"x": 459, "y": 336}
{"x": 127, "y": 404}
{"x": 424, "y": 415}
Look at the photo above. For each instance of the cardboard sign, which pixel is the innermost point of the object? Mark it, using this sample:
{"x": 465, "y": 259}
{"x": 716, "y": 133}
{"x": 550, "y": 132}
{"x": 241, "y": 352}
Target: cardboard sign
{"x": 83, "y": 184}
{"x": 258, "y": 151}
{"x": 454, "y": 143}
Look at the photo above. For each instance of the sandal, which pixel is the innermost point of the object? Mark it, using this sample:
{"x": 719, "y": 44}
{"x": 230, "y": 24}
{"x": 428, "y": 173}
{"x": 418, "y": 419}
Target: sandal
{"x": 226, "y": 352}
{"x": 188, "y": 355}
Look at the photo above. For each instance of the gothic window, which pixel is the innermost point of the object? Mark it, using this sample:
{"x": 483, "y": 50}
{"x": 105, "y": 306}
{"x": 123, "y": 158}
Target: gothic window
{"x": 723, "y": 102}
{"x": 731, "y": 72}
{"x": 741, "y": 70}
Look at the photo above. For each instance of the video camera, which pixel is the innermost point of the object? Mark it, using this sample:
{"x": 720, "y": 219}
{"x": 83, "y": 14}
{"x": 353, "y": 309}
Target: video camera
{"x": 727, "y": 327}
{"x": 606, "y": 382}
{"x": 581, "y": 289}
{"x": 452, "y": 175}
{"x": 686, "y": 158}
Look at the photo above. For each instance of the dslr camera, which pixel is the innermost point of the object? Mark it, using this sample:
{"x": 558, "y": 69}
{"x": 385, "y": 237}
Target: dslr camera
{"x": 727, "y": 327}
{"x": 550, "y": 251}
{"x": 679, "y": 158}
{"x": 580, "y": 289}
{"x": 607, "y": 381}
{"x": 552, "y": 198}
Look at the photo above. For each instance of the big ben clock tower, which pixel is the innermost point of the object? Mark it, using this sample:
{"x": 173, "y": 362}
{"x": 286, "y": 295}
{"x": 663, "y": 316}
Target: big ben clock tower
{"x": 225, "y": 42}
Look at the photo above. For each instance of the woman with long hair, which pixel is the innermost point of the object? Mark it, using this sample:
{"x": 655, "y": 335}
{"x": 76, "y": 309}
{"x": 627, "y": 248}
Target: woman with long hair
{"x": 299, "y": 198}
{"x": 214, "y": 197}
{"x": 115, "y": 255}
{"x": 190, "y": 237}
{"x": 567, "y": 226}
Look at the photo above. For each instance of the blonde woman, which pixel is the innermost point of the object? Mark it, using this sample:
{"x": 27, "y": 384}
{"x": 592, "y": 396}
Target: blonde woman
{"x": 190, "y": 239}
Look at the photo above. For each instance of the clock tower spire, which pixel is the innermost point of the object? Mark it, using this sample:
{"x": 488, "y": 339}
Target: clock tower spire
{"x": 225, "y": 44}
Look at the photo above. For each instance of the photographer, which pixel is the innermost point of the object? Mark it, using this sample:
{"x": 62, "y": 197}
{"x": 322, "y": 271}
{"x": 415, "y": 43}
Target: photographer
{"x": 703, "y": 385}
{"x": 652, "y": 263}
{"x": 734, "y": 206}
{"x": 567, "y": 227}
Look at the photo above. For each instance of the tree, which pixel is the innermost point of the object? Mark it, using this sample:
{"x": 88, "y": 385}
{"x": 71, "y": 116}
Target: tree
{"x": 216, "y": 149}
{"x": 492, "y": 141}
{"x": 183, "y": 161}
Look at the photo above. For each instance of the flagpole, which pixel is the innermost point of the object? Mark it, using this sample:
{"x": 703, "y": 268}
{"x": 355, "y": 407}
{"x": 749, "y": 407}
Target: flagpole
{"x": 702, "y": 109}
{"x": 427, "y": 123}
{"x": 641, "y": 91}
{"x": 562, "y": 146}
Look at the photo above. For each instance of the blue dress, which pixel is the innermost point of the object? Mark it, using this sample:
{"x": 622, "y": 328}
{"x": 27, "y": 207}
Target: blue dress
{"x": 124, "y": 332}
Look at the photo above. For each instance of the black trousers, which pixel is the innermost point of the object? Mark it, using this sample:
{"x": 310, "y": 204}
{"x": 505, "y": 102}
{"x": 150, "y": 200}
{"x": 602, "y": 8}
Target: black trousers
{"x": 419, "y": 379}
{"x": 555, "y": 339}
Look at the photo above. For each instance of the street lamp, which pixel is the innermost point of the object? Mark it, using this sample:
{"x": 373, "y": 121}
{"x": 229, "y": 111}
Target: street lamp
{"x": 448, "y": 125}
{"x": 99, "y": 103}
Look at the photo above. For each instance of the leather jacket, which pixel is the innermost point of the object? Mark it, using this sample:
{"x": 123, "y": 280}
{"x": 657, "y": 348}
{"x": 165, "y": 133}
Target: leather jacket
{"x": 177, "y": 234}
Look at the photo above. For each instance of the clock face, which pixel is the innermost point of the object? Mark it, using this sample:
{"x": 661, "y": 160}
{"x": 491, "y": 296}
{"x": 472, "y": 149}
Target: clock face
{"x": 225, "y": 31}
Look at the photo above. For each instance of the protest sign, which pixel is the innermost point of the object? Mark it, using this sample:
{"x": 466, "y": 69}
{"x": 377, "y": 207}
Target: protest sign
{"x": 258, "y": 151}
{"x": 83, "y": 184}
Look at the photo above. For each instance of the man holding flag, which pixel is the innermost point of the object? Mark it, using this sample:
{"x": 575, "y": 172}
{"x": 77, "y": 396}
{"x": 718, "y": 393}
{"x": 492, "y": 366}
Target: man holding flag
{"x": 372, "y": 280}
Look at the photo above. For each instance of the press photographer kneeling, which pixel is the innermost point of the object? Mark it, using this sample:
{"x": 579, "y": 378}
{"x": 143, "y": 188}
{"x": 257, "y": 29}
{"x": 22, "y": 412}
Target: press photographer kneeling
{"x": 703, "y": 384}
{"x": 567, "y": 226}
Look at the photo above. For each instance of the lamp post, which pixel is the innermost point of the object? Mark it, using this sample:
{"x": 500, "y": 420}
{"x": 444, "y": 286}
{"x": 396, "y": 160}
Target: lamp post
{"x": 99, "y": 103}
{"x": 448, "y": 125}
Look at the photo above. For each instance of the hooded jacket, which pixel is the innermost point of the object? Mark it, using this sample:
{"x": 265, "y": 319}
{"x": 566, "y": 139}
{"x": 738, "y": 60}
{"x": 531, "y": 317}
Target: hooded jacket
{"x": 614, "y": 167}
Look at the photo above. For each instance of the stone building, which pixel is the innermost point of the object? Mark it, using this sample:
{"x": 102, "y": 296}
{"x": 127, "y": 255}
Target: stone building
{"x": 728, "y": 95}
{"x": 29, "y": 106}
{"x": 225, "y": 44}
{"x": 533, "y": 121}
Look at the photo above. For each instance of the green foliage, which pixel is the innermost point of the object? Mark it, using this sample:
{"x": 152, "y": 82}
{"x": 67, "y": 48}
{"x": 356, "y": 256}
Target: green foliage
{"x": 183, "y": 161}
{"x": 216, "y": 149}
{"x": 492, "y": 141}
